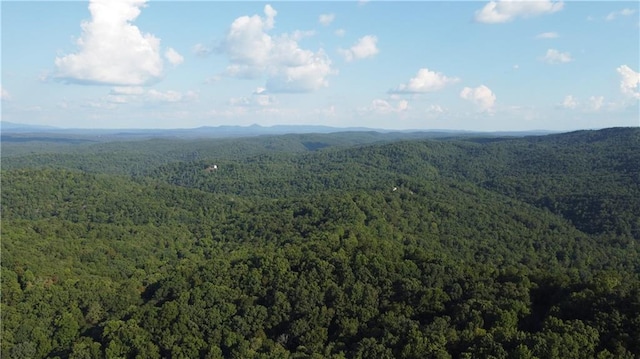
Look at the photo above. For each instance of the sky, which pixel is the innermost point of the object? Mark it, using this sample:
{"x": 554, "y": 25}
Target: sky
{"x": 458, "y": 65}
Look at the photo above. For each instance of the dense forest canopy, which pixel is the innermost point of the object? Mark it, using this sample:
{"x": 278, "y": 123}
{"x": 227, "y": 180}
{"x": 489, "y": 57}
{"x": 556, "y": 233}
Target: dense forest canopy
{"x": 343, "y": 245}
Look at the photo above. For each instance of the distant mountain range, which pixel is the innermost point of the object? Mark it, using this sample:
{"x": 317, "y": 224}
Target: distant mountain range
{"x": 18, "y": 127}
{"x": 12, "y": 130}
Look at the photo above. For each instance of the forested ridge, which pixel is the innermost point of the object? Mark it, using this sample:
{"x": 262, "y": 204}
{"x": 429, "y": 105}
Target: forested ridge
{"x": 351, "y": 245}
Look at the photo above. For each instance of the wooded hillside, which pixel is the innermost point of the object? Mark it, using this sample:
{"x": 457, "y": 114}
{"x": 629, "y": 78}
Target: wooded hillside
{"x": 352, "y": 245}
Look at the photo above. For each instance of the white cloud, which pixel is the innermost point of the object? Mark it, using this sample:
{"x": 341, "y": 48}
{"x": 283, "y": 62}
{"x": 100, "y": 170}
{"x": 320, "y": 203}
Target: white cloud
{"x": 231, "y": 112}
{"x": 629, "y": 82}
{"x": 627, "y": 12}
{"x": 264, "y": 100}
{"x": 570, "y": 102}
{"x": 501, "y": 11}
{"x": 167, "y": 96}
{"x": 299, "y": 35}
{"x": 482, "y": 96}
{"x": 340, "y": 32}
{"x": 254, "y": 53}
{"x": 122, "y": 90}
{"x": 403, "y": 105}
{"x": 247, "y": 43}
{"x": 380, "y": 106}
{"x": 595, "y": 103}
{"x": 201, "y": 50}
{"x": 425, "y": 81}
{"x": 547, "y": 35}
{"x": 624, "y": 12}
{"x": 308, "y": 72}
{"x": 592, "y": 104}
{"x": 365, "y": 47}
{"x": 112, "y": 51}
{"x": 326, "y": 112}
{"x": 326, "y": 19}
{"x": 435, "y": 109}
{"x": 116, "y": 99}
{"x": 4, "y": 94}
{"x": 554, "y": 56}
{"x": 259, "y": 98}
{"x": 173, "y": 57}
{"x": 136, "y": 94}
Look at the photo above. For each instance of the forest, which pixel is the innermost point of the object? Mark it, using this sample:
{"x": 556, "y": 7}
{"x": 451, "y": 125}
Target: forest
{"x": 335, "y": 245}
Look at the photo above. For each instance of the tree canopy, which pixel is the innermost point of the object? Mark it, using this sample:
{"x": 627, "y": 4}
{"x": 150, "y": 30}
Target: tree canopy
{"x": 323, "y": 246}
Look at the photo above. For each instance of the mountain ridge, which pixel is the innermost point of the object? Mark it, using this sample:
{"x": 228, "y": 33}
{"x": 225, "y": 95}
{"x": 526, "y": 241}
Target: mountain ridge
{"x": 240, "y": 131}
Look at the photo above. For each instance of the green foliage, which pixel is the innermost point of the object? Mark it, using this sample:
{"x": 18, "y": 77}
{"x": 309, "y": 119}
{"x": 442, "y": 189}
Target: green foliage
{"x": 324, "y": 247}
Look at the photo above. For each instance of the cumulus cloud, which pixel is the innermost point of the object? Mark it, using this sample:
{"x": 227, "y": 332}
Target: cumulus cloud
{"x": 547, "y": 35}
{"x": 380, "y": 106}
{"x": 482, "y": 96}
{"x": 173, "y": 57}
{"x": 629, "y": 82}
{"x": 425, "y": 81}
{"x": 366, "y": 46}
{"x": 435, "y": 109}
{"x": 259, "y": 98}
{"x": 299, "y": 71}
{"x": 554, "y": 56}
{"x": 624, "y": 12}
{"x": 326, "y": 19}
{"x": 501, "y": 11}
{"x": 4, "y": 94}
{"x": 340, "y": 32}
{"x": 262, "y": 98}
{"x": 111, "y": 50}
{"x": 570, "y": 102}
{"x": 247, "y": 43}
{"x": 253, "y": 53}
{"x": 595, "y": 103}
{"x": 592, "y": 104}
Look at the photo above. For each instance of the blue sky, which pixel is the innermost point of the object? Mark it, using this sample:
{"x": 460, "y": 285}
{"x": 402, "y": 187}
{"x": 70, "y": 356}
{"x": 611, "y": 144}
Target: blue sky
{"x": 503, "y": 65}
